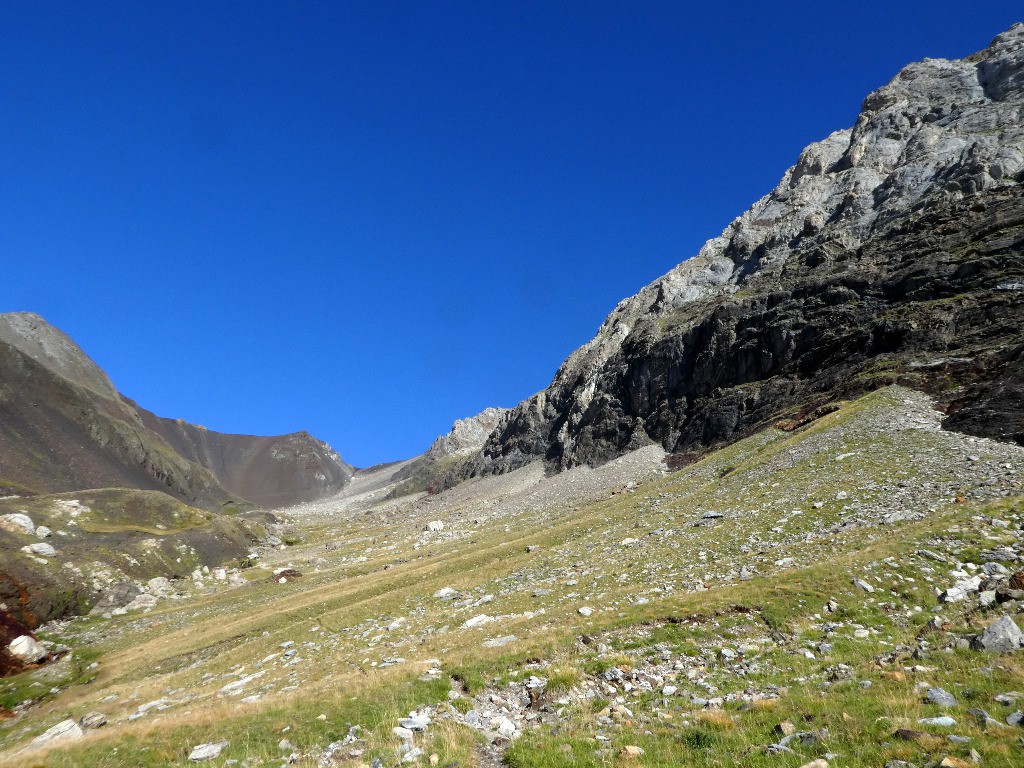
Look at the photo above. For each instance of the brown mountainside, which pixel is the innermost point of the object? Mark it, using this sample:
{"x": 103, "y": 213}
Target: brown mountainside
{"x": 64, "y": 427}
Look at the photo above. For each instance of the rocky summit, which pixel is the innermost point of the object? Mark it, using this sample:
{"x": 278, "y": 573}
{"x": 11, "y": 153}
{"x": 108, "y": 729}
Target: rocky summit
{"x": 890, "y": 252}
{"x": 772, "y": 515}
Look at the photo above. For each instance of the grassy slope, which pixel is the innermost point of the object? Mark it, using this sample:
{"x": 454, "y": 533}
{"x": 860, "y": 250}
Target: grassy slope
{"x": 119, "y": 533}
{"x": 884, "y": 455}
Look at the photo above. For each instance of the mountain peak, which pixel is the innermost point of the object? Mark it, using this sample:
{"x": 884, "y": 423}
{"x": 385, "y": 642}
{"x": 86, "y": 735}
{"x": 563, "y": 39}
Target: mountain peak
{"x": 52, "y": 348}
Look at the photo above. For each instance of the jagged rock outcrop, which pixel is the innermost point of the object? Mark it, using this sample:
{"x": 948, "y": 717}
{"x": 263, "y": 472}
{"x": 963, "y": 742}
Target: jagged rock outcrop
{"x": 431, "y": 470}
{"x": 891, "y": 251}
{"x": 467, "y": 435}
{"x": 64, "y": 427}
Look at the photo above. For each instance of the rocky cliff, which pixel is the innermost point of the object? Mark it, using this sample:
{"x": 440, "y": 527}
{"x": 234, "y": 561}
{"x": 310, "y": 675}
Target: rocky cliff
{"x": 64, "y": 427}
{"x": 890, "y": 252}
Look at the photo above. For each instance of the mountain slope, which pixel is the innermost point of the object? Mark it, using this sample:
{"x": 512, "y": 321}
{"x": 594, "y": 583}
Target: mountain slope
{"x": 64, "y": 427}
{"x": 891, "y": 251}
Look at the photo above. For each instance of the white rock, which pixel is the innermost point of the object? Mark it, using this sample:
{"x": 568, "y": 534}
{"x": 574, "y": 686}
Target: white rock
{"x": 434, "y": 526}
{"x": 17, "y": 522}
{"x": 506, "y": 728}
{"x": 43, "y": 532}
{"x": 207, "y": 751}
{"x": 585, "y": 611}
{"x": 66, "y": 730}
{"x": 476, "y": 621}
{"x": 41, "y": 549}
{"x": 27, "y": 650}
{"x": 444, "y": 593}
{"x": 415, "y": 722}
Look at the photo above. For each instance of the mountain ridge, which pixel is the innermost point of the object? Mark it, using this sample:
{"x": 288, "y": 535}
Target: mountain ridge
{"x": 66, "y": 427}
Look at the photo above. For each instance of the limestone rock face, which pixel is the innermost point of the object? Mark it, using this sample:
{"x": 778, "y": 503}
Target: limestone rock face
{"x": 890, "y": 252}
{"x": 467, "y": 435}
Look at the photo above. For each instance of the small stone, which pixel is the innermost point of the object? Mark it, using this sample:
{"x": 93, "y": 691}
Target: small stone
{"x": 434, "y": 759}
{"x": 42, "y": 549}
{"x": 412, "y": 755}
{"x": 585, "y": 611}
{"x": 207, "y": 751}
{"x": 945, "y": 721}
{"x": 940, "y": 697}
{"x": 434, "y": 526}
{"x": 1017, "y": 718}
{"x": 444, "y": 593}
{"x": 785, "y": 728}
{"x": 506, "y": 728}
{"x": 93, "y": 720}
{"x": 415, "y": 722}
{"x": 861, "y": 584}
{"x": 631, "y": 750}
{"x": 43, "y": 532}
{"x": 819, "y": 763}
{"x": 66, "y": 730}
{"x": 954, "y": 762}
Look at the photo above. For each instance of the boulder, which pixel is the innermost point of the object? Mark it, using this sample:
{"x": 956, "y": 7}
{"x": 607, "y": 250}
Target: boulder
{"x": 27, "y": 650}
{"x": 207, "y": 751}
{"x": 17, "y": 522}
{"x": 1001, "y": 636}
{"x": 92, "y": 720}
{"x": 40, "y": 549}
{"x": 66, "y": 730}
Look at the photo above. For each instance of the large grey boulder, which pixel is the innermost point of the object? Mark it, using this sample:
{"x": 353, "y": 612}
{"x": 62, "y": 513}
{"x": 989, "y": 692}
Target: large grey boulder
{"x": 1001, "y": 636}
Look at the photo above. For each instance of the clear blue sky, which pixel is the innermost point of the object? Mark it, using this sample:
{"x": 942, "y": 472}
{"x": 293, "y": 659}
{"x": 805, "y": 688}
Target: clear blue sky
{"x": 368, "y": 219}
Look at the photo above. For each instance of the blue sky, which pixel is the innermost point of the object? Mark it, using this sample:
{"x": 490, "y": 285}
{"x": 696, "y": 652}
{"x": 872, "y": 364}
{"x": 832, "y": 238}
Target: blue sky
{"x": 370, "y": 219}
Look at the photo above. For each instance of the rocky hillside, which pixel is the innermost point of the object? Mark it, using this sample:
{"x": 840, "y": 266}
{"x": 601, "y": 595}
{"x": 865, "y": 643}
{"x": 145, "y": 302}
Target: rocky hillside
{"x": 890, "y": 252}
{"x": 64, "y": 427}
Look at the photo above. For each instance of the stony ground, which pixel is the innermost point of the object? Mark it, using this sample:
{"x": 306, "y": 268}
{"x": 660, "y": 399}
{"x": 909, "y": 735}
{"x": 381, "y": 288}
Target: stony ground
{"x": 802, "y": 597}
